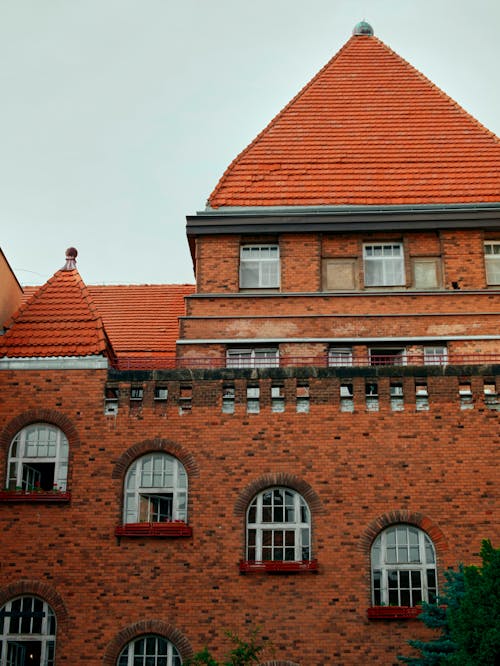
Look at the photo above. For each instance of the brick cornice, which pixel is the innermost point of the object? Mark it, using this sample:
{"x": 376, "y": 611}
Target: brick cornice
{"x": 133, "y": 631}
{"x": 398, "y": 516}
{"x": 282, "y": 479}
{"x": 149, "y": 446}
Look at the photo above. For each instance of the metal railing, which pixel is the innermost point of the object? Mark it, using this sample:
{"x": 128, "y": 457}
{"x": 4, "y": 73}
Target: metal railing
{"x": 320, "y": 361}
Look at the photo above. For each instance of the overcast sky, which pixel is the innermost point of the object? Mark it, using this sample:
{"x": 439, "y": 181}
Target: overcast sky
{"x": 118, "y": 117}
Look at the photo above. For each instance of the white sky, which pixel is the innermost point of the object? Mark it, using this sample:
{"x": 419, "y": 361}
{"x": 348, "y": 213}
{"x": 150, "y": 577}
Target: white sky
{"x": 118, "y": 117}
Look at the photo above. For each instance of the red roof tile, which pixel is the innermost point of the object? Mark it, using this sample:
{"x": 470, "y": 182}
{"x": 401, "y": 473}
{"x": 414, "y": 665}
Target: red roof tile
{"x": 367, "y": 129}
{"x": 58, "y": 319}
{"x": 142, "y": 320}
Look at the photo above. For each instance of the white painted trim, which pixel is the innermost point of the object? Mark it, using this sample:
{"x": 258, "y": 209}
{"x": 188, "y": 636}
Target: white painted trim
{"x": 392, "y": 340}
{"x": 55, "y": 363}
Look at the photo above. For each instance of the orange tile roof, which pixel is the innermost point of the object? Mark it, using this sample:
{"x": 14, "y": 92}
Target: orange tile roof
{"x": 368, "y": 129}
{"x": 58, "y": 319}
{"x": 142, "y": 320}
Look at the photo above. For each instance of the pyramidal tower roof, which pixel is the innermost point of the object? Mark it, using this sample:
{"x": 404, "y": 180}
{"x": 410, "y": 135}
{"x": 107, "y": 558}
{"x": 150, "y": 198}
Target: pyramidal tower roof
{"x": 58, "y": 320}
{"x": 368, "y": 129}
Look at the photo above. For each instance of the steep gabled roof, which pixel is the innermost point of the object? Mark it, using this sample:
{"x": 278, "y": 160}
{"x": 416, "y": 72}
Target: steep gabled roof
{"x": 368, "y": 129}
{"x": 142, "y": 320}
{"x": 58, "y": 319}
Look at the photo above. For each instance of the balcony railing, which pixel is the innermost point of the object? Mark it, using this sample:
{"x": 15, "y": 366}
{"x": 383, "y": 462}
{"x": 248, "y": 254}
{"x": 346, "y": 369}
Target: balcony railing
{"x": 321, "y": 361}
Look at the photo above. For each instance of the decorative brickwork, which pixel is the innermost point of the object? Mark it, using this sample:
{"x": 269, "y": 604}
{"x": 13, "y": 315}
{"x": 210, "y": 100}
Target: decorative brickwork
{"x": 142, "y": 628}
{"x": 37, "y": 588}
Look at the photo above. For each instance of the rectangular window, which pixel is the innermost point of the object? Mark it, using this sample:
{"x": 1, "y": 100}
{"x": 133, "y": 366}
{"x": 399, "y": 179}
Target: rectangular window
{"x": 426, "y": 272}
{"x": 371, "y": 393}
{"x": 346, "y": 398}
{"x": 384, "y": 265}
{"x": 421, "y": 396}
{"x": 339, "y": 356}
{"x": 397, "y": 397}
{"x": 258, "y": 357}
{"x": 435, "y": 355}
{"x": 259, "y": 266}
{"x": 339, "y": 274}
{"x": 253, "y": 399}
{"x": 277, "y": 398}
{"x": 303, "y": 398}
{"x": 387, "y": 356}
{"x": 228, "y": 398}
{"x": 492, "y": 260}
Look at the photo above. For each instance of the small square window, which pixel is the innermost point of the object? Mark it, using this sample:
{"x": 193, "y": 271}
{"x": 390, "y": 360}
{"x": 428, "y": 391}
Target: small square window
{"x": 435, "y": 355}
{"x": 426, "y": 272}
{"x": 259, "y": 266}
{"x": 339, "y": 274}
{"x": 340, "y": 356}
{"x": 384, "y": 265}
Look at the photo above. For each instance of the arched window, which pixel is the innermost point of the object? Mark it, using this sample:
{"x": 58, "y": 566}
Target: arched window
{"x": 150, "y": 650}
{"x": 278, "y": 527}
{"x": 38, "y": 458}
{"x": 27, "y": 632}
{"x": 403, "y": 567}
{"x": 155, "y": 490}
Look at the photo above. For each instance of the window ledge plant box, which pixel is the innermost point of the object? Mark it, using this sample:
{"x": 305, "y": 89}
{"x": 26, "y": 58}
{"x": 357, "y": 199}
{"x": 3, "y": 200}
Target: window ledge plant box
{"x": 175, "y": 528}
{"x": 40, "y": 496}
{"x": 271, "y": 566}
{"x": 394, "y": 612}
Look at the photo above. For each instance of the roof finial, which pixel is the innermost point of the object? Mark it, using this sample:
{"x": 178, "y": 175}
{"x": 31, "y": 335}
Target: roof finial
{"x": 71, "y": 255}
{"x": 363, "y": 28}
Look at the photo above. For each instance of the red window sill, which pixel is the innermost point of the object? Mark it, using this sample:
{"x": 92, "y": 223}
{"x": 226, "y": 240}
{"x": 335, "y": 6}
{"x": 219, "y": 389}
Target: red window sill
{"x": 394, "y": 612}
{"x": 258, "y": 566}
{"x": 176, "y": 528}
{"x": 40, "y": 496}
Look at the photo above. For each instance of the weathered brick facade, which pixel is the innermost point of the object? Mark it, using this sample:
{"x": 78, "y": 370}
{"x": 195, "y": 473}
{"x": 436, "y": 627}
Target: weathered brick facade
{"x": 377, "y": 405}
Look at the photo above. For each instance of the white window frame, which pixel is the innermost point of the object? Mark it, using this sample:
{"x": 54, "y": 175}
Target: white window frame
{"x": 151, "y": 479}
{"x": 252, "y": 357}
{"x": 260, "y": 266}
{"x": 142, "y": 649}
{"x": 403, "y": 552}
{"x": 339, "y": 357}
{"x": 384, "y": 355}
{"x": 267, "y": 534}
{"x": 383, "y": 264}
{"x": 435, "y": 355}
{"x": 41, "y": 629}
{"x": 492, "y": 261}
{"x": 36, "y": 444}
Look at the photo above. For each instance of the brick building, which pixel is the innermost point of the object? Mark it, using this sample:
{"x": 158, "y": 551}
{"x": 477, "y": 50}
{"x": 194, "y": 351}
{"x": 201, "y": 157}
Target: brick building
{"x": 302, "y": 442}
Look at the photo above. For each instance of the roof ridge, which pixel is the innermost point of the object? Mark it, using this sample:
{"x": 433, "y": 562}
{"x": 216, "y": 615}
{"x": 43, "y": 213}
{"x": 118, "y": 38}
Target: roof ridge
{"x": 276, "y": 118}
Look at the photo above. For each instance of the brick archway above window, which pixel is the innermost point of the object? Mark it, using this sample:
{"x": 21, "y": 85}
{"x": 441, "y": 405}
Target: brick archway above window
{"x": 50, "y": 416}
{"x": 281, "y": 479}
{"x": 138, "y": 629}
{"x": 151, "y": 445}
{"x": 403, "y": 516}
{"x": 35, "y": 588}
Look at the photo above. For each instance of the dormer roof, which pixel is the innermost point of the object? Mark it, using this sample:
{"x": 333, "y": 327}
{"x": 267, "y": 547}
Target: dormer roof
{"x": 368, "y": 129}
{"x": 58, "y": 320}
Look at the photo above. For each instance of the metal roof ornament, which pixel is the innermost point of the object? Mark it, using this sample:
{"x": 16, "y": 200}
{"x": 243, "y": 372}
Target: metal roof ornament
{"x": 71, "y": 255}
{"x": 362, "y": 28}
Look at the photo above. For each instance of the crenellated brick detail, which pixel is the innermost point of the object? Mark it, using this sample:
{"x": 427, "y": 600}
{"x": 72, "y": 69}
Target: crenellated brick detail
{"x": 278, "y": 479}
{"x": 403, "y": 516}
{"x": 157, "y": 444}
{"x": 138, "y": 629}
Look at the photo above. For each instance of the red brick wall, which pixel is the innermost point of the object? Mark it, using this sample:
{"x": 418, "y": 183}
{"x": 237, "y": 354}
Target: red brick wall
{"x": 440, "y": 465}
